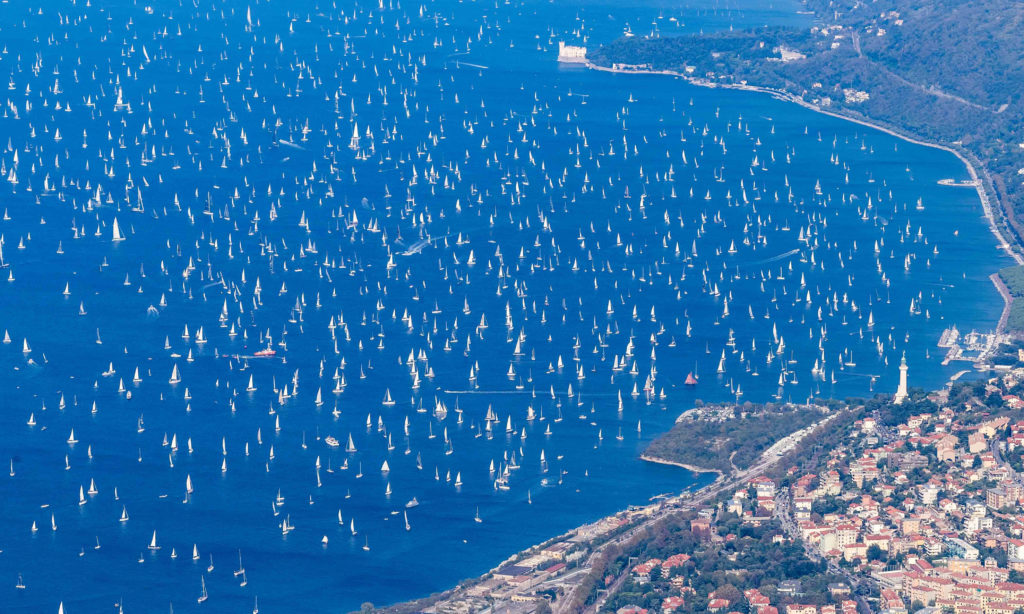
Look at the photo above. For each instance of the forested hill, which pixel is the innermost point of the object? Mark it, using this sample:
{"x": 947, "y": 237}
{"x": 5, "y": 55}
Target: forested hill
{"x": 945, "y": 70}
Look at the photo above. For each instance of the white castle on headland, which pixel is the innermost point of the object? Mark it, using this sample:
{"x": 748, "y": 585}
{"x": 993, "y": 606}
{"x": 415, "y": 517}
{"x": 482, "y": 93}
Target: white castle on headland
{"x": 901, "y": 392}
{"x": 571, "y": 53}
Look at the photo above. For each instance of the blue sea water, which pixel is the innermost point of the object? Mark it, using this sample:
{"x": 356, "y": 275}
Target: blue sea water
{"x": 487, "y": 182}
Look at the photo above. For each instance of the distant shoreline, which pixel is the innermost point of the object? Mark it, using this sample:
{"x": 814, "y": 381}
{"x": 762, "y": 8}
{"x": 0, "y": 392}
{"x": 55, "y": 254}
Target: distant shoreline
{"x": 979, "y": 184}
{"x": 1007, "y": 300}
{"x": 662, "y": 461}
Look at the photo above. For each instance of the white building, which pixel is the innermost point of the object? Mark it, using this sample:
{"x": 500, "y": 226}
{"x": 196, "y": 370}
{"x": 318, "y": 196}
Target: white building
{"x": 572, "y": 54}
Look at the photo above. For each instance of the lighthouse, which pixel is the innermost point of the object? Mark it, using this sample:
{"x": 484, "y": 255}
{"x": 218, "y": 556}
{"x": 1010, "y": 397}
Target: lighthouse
{"x": 901, "y": 392}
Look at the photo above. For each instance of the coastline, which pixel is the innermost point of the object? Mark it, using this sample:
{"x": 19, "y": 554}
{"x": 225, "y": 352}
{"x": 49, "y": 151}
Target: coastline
{"x": 588, "y": 543}
{"x": 694, "y": 498}
{"x": 979, "y": 184}
{"x": 1007, "y": 301}
{"x": 477, "y": 584}
{"x": 693, "y": 468}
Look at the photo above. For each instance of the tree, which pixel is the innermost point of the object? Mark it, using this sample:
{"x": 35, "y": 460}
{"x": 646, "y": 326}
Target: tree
{"x": 730, "y": 592}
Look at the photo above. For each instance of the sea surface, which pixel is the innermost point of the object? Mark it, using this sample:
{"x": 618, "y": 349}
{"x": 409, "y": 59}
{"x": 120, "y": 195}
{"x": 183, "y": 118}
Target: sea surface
{"x": 393, "y": 197}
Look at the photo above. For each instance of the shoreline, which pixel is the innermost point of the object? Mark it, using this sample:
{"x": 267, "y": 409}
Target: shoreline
{"x": 693, "y": 468}
{"x": 429, "y": 602}
{"x": 978, "y": 184}
{"x": 972, "y": 171}
{"x": 474, "y": 594}
{"x": 1007, "y": 301}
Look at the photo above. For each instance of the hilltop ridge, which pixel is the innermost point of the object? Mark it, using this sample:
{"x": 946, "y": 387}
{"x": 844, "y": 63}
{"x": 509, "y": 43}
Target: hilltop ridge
{"x": 948, "y": 73}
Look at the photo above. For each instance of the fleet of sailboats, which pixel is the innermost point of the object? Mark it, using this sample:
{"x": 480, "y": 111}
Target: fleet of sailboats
{"x": 490, "y": 272}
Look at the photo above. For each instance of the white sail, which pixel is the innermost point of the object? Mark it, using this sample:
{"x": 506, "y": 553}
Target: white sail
{"x": 117, "y": 235}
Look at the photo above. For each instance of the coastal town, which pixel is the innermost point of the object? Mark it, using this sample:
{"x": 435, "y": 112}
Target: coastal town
{"x": 908, "y": 502}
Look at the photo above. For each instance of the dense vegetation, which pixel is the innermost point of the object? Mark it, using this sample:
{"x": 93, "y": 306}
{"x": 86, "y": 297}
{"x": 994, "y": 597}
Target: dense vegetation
{"x": 737, "y": 442}
{"x": 946, "y": 71}
{"x": 748, "y": 558}
{"x": 1013, "y": 277}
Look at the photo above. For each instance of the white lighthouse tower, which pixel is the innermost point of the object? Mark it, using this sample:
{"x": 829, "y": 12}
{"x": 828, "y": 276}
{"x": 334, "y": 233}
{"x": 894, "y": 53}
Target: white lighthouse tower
{"x": 901, "y": 392}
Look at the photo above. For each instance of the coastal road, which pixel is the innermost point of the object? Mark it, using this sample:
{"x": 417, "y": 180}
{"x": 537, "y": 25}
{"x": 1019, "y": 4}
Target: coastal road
{"x": 684, "y": 502}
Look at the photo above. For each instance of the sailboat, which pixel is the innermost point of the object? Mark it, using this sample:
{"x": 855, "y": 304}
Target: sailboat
{"x": 117, "y": 235}
{"x": 203, "y": 596}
